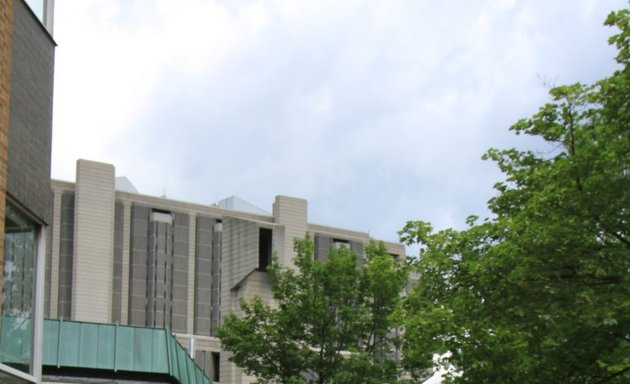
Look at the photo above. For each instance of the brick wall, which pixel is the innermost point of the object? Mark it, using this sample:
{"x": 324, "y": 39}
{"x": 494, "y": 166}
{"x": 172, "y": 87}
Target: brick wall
{"x": 6, "y": 29}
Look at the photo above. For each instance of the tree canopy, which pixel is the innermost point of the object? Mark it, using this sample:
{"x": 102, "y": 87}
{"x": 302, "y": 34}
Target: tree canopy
{"x": 540, "y": 291}
{"x": 331, "y": 321}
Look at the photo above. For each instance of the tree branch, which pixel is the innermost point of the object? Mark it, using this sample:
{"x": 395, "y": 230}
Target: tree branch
{"x": 605, "y": 379}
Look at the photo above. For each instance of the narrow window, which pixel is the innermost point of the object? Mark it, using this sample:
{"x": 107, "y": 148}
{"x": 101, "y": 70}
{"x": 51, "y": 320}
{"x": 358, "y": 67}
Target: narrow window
{"x": 264, "y": 248}
{"x": 216, "y": 363}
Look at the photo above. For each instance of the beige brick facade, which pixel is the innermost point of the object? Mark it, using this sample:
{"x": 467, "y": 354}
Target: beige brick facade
{"x": 93, "y": 241}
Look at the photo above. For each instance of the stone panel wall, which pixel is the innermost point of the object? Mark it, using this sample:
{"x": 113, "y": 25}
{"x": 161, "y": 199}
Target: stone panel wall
{"x": 30, "y": 113}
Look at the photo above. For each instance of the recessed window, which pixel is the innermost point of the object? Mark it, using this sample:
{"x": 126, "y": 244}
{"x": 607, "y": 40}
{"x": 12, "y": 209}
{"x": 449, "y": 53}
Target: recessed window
{"x": 264, "y": 248}
{"x": 216, "y": 365}
{"x": 340, "y": 243}
{"x": 162, "y": 217}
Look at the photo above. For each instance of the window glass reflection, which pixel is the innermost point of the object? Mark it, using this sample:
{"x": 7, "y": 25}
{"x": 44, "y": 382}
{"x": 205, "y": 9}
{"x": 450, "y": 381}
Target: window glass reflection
{"x": 37, "y": 6}
{"x": 18, "y": 283}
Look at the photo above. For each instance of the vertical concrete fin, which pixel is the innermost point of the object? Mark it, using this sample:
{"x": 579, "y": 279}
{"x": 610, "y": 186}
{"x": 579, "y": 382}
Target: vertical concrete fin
{"x": 93, "y": 242}
{"x": 292, "y": 214}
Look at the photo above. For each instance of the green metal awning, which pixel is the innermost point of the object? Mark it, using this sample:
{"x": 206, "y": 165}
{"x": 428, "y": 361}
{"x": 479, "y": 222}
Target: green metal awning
{"x": 112, "y": 347}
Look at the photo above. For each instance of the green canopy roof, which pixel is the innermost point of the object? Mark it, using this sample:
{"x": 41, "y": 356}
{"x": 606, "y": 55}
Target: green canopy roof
{"x": 112, "y": 347}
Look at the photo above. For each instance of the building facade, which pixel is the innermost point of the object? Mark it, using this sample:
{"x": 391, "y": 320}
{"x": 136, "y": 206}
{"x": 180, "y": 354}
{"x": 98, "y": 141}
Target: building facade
{"x": 26, "y": 89}
{"x": 121, "y": 257}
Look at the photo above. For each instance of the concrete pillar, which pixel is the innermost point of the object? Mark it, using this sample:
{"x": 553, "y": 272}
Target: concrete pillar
{"x": 291, "y": 216}
{"x": 124, "y": 291}
{"x": 93, "y": 265}
{"x": 192, "y": 232}
{"x": 54, "y": 265}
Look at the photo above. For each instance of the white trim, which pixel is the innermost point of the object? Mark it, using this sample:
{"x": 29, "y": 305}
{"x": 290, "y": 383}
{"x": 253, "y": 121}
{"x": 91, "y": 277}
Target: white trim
{"x": 198, "y": 337}
{"x": 191, "y": 348}
{"x": 49, "y": 15}
{"x": 17, "y": 373}
{"x": 38, "y": 315}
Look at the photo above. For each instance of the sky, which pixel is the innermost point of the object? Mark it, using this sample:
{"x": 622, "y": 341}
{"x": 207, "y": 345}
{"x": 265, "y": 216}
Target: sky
{"x": 376, "y": 112}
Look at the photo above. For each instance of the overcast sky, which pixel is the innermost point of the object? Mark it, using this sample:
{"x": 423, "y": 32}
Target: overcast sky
{"x": 376, "y": 112}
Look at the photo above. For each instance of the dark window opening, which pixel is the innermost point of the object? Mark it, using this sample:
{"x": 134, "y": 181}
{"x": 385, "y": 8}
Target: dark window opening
{"x": 264, "y": 248}
{"x": 216, "y": 362}
{"x": 340, "y": 243}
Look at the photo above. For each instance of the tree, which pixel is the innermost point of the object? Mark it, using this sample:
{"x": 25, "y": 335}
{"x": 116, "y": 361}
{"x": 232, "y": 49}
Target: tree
{"x": 331, "y": 322}
{"x": 539, "y": 292}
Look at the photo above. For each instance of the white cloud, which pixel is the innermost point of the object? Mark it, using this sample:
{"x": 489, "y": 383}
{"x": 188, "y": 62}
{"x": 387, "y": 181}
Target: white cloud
{"x": 377, "y": 112}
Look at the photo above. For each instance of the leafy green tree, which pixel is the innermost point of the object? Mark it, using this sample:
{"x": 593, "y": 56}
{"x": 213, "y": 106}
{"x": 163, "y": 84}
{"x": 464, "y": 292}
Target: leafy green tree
{"x": 331, "y": 321}
{"x": 540, "y": 292}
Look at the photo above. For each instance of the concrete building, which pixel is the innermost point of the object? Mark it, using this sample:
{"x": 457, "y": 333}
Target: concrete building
{"x": 121, "y": 257}
{"x": 26, "y": 89}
